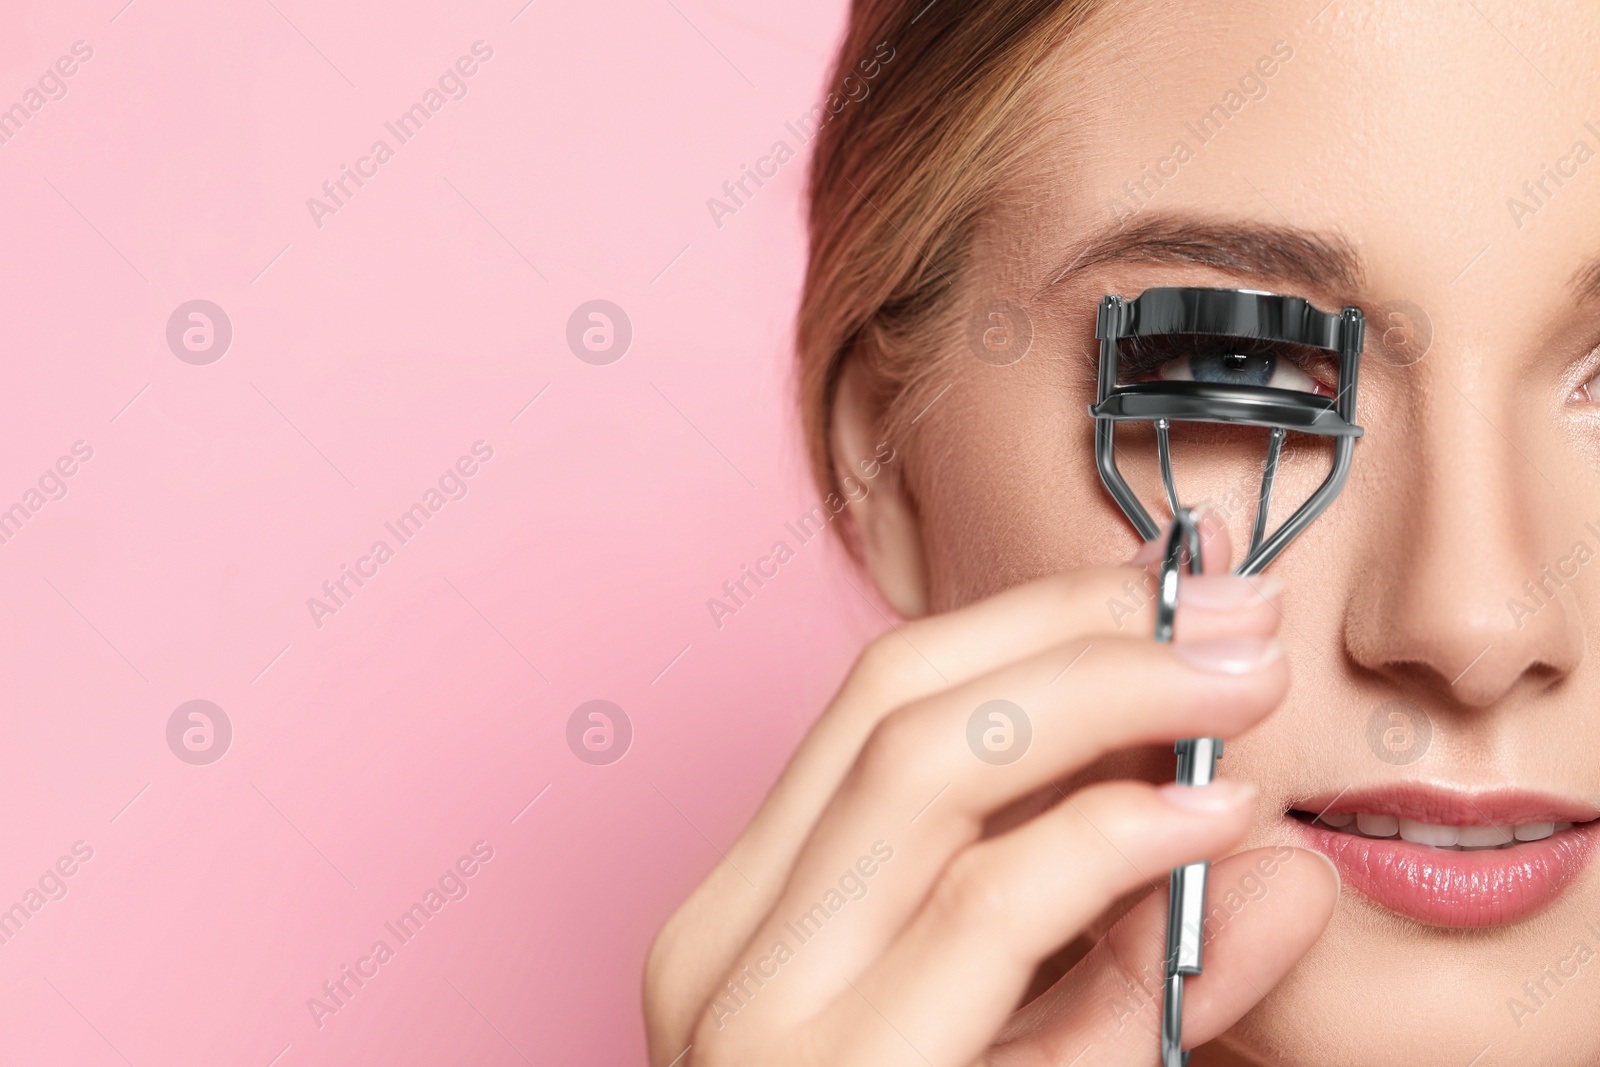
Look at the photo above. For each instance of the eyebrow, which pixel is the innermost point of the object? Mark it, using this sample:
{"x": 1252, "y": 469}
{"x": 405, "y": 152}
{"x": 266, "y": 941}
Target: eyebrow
{"x": 1587, "y": 281}
{"x": 1282, "y": 253}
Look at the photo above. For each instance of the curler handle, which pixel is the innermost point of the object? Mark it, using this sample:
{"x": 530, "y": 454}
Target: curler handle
{"x": 1197, "y": 763}
{"x": 1186, "y": 908}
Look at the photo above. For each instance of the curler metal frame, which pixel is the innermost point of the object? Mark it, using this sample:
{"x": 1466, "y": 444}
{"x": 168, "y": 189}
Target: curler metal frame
{"x": 1243, "y": 313}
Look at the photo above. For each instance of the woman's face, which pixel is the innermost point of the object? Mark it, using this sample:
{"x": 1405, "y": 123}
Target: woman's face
{"x": 1437, "y": 165}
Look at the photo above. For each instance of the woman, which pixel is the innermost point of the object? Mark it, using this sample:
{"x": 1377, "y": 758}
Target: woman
{"x": 1404, "y": 823}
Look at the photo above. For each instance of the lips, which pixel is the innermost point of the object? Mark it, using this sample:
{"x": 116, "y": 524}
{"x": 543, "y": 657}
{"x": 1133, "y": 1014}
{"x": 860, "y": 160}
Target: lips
{"x": 1448, "y": 858}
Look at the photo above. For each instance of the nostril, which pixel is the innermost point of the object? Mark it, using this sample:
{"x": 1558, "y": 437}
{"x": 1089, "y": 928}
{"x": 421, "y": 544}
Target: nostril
{"x": 1437, "y": 615}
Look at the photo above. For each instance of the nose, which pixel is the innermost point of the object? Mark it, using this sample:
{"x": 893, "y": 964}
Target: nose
{"x": 1463, "y": 585}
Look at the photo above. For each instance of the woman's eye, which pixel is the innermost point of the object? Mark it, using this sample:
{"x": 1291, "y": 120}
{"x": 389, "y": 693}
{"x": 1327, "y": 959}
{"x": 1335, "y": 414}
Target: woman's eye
{"x": 1239, "y": 361}
{"x": 1587, "y": 393}
{"x": 1238, "y": 368}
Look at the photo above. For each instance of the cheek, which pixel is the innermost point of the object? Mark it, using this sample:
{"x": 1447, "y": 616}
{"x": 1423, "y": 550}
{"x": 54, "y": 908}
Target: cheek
{"x": 1006, "y": 487}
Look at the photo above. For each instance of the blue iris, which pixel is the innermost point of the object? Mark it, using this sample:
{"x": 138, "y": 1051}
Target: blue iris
{"x": 1233, "y": 368}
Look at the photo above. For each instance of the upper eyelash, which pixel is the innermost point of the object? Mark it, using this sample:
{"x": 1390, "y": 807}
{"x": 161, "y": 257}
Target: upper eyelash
{"x": 1145, "y": 355}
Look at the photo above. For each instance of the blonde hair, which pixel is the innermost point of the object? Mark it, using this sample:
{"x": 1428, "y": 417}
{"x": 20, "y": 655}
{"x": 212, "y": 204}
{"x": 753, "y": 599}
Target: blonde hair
{"x": 898, "y": 181}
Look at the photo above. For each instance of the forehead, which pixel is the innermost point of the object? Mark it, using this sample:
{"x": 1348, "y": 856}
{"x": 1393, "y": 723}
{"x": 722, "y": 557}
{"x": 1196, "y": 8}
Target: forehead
{"x": 1426, "y": 134}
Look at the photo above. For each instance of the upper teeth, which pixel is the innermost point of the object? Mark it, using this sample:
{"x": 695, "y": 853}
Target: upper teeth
{"x": 1459, "y": 837}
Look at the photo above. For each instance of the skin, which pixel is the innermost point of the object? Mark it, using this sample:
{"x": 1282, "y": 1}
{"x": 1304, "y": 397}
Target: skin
{"x": 1396, "y": 132}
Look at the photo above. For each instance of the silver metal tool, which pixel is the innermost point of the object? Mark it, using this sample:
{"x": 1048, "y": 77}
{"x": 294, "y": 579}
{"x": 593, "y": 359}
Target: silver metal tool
{"x": 1228, "y": 338}
{"x": 1209, "y": 319}
{"x": 1197, "y": 763}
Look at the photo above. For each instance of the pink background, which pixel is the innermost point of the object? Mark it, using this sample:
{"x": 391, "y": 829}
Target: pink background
{"x": 368, "y": 354}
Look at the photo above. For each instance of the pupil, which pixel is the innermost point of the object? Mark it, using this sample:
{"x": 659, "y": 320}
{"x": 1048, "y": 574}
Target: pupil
{"x": 1233, "y": 368}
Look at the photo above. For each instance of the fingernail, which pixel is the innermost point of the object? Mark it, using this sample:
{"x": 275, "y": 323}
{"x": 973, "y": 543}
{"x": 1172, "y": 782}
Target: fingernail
{"x": 1338, "y": 879}
{"x": 1226, "y": 592}
{"x": 1221, "y": 795}
{"x": 1209, "y": 520}
{"x": 1149, "y": 552}
{"x": 1234, "y": 655}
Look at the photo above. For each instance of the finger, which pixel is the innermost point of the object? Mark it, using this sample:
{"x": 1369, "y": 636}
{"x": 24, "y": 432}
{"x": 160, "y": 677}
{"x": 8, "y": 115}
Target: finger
{"x": 1265, "y": 909}
{"x": 923, "y": 787}
{"x": 1216, "y": 543}
{"x": 945, "y": 652}
{"x": 1002, "y": 906}
{"x": 708, "y": 930}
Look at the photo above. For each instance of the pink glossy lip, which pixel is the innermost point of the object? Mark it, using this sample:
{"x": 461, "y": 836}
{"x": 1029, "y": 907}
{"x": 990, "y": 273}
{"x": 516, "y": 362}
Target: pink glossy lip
{"x": 1459, "y": 889}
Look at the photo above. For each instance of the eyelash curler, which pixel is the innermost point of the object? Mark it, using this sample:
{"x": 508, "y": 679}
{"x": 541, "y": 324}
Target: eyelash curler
{"x": 1219, "y": 393}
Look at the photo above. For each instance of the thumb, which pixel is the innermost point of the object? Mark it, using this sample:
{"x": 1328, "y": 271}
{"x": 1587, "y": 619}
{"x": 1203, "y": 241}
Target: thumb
{"x": 1216, "y": 543}
{"x": 1264, "y": 909}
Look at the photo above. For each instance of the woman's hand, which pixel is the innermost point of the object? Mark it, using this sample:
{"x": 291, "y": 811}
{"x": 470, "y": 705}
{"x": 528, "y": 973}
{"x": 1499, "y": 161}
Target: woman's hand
{"x": 865, "y": 916}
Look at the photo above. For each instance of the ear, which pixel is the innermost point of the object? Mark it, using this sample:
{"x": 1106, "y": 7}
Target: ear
{"x": 885, "y": 518}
